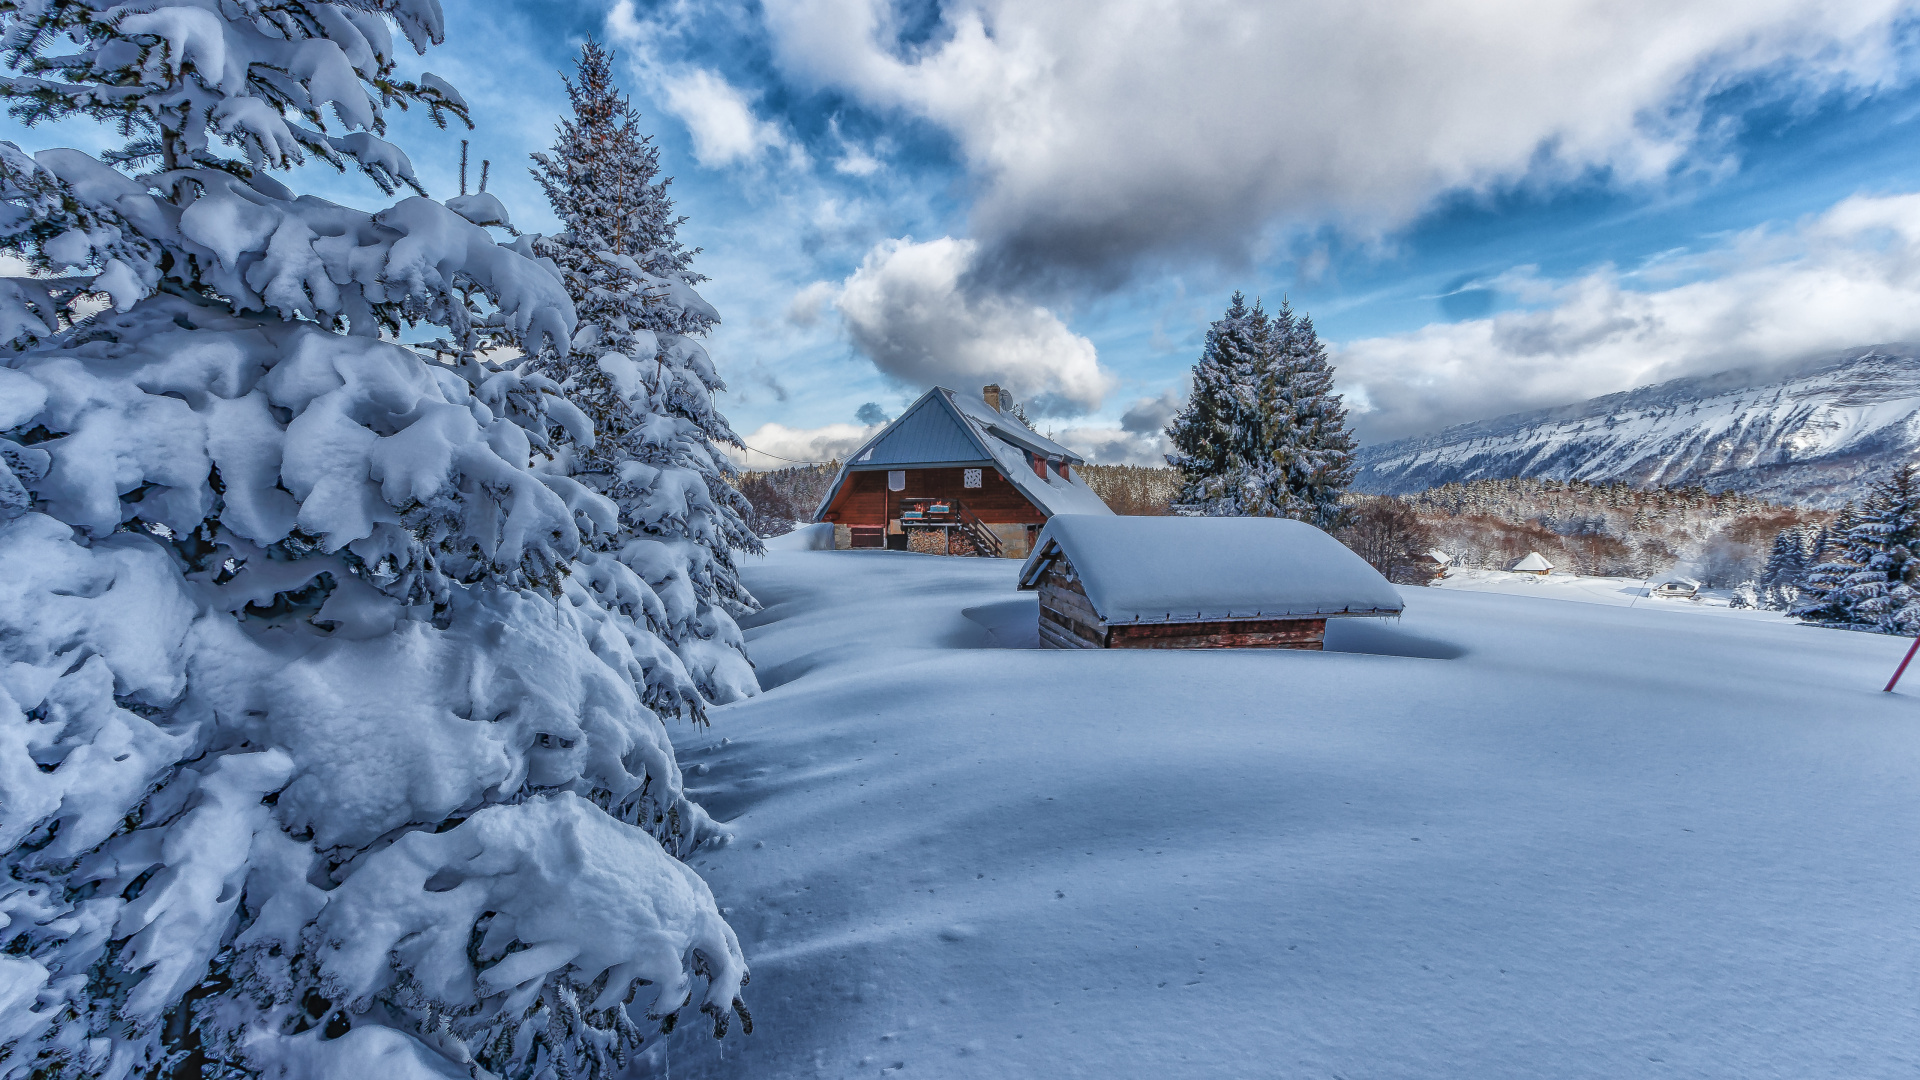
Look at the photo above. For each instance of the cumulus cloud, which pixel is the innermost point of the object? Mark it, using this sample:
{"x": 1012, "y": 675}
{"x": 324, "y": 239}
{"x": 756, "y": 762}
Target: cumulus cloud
{"x": 777, "y": 446}
{"x": 718, "y": 115}
{"x": 908, "y": 308}
{"x": 1846, "y": 277}
{"x": 1149, "y": 416}
{"x": 807, "y": 305}
{"x": 1115, "y": 446}
{"x": 1102, "y": 131}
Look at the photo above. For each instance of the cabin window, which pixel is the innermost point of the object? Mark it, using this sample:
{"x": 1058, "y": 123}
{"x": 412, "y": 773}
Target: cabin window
{"x": 897, "y": 480}
{"x": 970, "y": 478}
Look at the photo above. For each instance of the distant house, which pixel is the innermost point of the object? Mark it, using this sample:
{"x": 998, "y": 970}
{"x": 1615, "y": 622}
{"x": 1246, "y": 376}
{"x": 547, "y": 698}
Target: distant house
{"x": 1534, "y": 563}
{"x": 955, "y": 476}
{"x": 1433, "y": 563}
{"x": 1678, "y": 587}
{"x": 1110, "y": 582}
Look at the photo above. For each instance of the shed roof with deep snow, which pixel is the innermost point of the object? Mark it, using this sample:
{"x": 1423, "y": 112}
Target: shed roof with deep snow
{"x": 1534, "y": 563}
{"x": 1209, "y": 569}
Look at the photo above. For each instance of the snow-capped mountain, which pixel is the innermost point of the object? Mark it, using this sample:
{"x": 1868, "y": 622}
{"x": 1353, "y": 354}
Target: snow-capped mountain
{"x": 1817, "y": 432}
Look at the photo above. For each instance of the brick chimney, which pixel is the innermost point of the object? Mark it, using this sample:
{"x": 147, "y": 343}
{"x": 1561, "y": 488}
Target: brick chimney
{"x": 991, "y": 392}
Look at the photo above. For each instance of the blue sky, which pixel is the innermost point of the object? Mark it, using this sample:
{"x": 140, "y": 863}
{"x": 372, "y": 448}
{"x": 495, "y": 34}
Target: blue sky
{"x": 1485, "y": 207}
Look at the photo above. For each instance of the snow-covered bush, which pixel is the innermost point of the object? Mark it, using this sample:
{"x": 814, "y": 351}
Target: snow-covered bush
{"x": 316, "y": 756}
{"x": 636, "y": 370}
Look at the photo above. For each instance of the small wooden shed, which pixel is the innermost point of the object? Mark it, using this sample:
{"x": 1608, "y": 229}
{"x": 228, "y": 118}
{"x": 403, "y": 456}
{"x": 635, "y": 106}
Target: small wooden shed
{"x": 1681, "y": 588}
{"x": 1535, "y": 563}
{"x": 1196, "y": 583}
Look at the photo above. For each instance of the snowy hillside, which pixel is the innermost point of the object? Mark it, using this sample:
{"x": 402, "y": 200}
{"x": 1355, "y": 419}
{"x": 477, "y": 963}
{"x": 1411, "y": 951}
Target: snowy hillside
{"x": 1817, "y": 433}
{"x": 1503, "y": 837}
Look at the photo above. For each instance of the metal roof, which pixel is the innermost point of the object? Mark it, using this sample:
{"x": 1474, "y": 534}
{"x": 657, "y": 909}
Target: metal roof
{"x": 926, "y": 432}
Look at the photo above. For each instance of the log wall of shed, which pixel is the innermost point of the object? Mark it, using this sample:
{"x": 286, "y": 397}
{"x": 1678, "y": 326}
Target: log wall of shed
{"x": 1066, "y": 613}
{"x": 1068, "y": 621}
{"x": 1308, "y": 634}
{"x": 865, "y": 500}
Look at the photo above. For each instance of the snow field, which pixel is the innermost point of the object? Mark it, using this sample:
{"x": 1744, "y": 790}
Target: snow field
{"x": 1617, "y": 591}
{"x": 1543, "y": 839}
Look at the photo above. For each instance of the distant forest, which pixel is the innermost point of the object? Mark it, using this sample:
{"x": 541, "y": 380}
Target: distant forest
{"x": 1595, "y": 529}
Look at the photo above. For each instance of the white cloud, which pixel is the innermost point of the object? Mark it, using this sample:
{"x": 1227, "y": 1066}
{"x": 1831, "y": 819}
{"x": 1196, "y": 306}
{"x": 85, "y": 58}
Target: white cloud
{"x": 908, "y": 309}
{"x": 777, "y": 446}
{"x": 807, "y": 305}
{"x": 1115, "y": 446}
{"x": 1847, "y": 277}
{"x": 718, "y": 116}
{"x": 1101, "y": 130}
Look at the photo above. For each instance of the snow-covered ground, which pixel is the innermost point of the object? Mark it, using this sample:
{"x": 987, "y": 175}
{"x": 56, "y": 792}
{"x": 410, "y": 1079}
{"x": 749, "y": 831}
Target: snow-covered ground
{"x": 1624, "y": 592}
{"x": 1499, "y": 838}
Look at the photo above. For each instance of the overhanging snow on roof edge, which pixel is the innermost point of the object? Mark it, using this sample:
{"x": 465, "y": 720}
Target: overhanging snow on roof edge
{"x": 1147, "y": 571}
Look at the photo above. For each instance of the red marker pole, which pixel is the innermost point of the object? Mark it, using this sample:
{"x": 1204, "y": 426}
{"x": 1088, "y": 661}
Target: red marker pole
{"x": 1902, "y": 669}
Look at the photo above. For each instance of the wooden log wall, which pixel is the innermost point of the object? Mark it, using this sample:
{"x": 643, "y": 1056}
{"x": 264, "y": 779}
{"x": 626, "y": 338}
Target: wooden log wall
{"x": 864, "y": 498}
{"x": 1068, "y": 621}
{"x": 1065, "y": 612}
{"x": 1249, "y": 634}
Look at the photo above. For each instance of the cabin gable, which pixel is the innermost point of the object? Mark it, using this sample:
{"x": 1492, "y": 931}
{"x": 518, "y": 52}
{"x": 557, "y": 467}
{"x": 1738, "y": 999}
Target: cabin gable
{"x": 951, "y": 476}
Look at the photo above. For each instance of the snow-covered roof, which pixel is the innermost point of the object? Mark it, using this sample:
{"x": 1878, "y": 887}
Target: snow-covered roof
{"x": 1209, "y": 569}
{"x": 1677, "y": 582}
{"x": 945, "y": 428}
{"x": 1534, "y": 562}
{"x": 1440, "y": 557}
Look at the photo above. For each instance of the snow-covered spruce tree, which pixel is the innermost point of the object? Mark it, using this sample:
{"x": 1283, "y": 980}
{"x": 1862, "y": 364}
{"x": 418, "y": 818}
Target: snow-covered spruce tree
{"x": 1302, "y": 461}
{"x": 313, "y": 758}
{"x": 1263, "y": 433}
{"x": 1822, "y": 598}
{"x": 1207, "y": 434}
{"x": 635, "y": 368}
{"x": 1883, "y": 550}
{"x": 1784, "y": 575}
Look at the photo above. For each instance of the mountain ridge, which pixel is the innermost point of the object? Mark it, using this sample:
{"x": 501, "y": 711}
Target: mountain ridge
{"x": 1816, "y": 431}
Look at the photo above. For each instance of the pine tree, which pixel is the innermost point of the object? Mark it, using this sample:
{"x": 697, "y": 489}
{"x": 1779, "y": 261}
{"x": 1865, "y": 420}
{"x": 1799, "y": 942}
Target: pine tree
{"x": 1304, "y": 460}
{"x": 1883, "y": 549}
{"x": 1784, "y": 576}
{"x": 314, "y": 756}
{"x": 1263, "y": 434}
{"x": 1207, "y": 434}
{"x": 1822, "y": 599}
{"x": 648, "y": 387}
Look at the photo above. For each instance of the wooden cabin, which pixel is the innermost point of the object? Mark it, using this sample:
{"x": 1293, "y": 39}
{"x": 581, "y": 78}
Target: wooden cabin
{"x": 1535, "y": 564}
{"x": 955, "y": 476}
{"x": 1196, "y": 583}
{"x": 1433, "y": 564}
